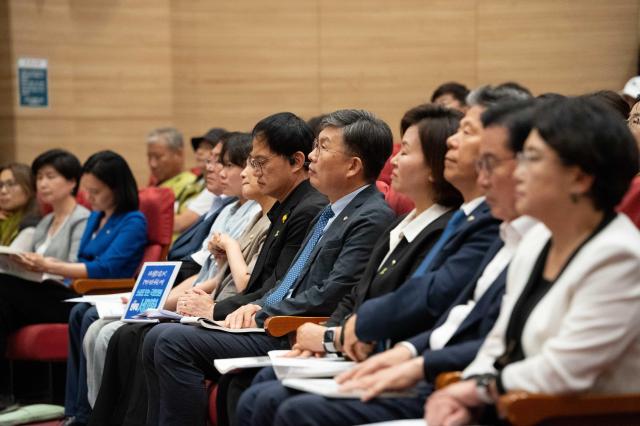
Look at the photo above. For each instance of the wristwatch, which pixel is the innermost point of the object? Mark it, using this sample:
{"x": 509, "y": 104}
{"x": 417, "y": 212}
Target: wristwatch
{"x": 327, "y": 341}
{"x": 483, "y": 382}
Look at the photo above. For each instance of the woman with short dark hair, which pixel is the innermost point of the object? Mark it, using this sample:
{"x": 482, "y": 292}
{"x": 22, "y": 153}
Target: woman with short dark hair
{"x": 111, "y": 245}
{"x": 568, "y": 322}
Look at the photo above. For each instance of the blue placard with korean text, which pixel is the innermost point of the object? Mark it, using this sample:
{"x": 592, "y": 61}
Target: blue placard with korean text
{"x": 152, "y": 288}
{"x": 33, "y": 82}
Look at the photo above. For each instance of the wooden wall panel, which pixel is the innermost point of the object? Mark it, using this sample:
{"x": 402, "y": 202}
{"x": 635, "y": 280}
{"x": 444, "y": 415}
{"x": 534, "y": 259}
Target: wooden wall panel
{"x": 389, "y": 56}
{"x": 110, "y": 75}
{"x": 237, "y": 62}
{"x": 558, "y": 45}
{"x": 119, "y": 68}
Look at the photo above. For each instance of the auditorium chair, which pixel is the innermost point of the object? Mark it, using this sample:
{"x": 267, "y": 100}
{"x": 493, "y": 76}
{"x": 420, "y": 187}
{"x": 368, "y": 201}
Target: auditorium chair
{"x": 48, "y": 342}
{"x": 528, "y": 409}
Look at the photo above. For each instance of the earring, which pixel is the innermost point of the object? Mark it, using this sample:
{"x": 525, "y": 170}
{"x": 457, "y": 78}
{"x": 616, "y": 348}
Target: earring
{"x": 574, "y": 198}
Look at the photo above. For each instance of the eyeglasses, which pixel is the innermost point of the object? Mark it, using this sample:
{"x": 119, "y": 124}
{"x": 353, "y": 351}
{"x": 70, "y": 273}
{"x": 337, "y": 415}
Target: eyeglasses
{"x": 9, "y": 184}
{"x": 488, "y": 163}
{"x": 258, "y": 163}
{"x": 318, "y": 147}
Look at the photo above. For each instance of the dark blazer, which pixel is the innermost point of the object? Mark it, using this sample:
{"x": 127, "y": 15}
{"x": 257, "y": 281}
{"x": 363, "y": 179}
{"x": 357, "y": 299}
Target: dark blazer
{"x": 338, "y": 260}
{"x": 418, "y": 303}
{"x": 190, "y": 240}
{"x": 289, "y": 223}
{"x": 400, "y": 264}
{"x": 463, "y": 346}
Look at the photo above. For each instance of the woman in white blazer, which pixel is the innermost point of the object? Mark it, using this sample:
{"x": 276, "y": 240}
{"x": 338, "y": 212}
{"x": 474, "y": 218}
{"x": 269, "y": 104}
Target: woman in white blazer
{"x": 569, "y": 319}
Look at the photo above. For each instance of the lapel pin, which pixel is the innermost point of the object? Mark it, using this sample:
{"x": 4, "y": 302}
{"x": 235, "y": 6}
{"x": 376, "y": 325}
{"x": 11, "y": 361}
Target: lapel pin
{"x": 393, "y": 262}
{"x": 276, "y": 234}
{"x": 284, "y": 218}
{"x": 345, "y": 218}
{"x": 470, "y": 218}
{"x": 383, "y": 270}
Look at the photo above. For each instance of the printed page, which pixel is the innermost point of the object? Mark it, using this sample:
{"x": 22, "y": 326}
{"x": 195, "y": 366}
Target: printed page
{"x": 330, "y": 389}
{"x": 312, "y": 367}
{"x": 230, "y": 364}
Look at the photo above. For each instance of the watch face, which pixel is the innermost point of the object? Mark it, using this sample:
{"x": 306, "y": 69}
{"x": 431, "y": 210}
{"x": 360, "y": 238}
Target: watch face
{"x": 328, "y": 335}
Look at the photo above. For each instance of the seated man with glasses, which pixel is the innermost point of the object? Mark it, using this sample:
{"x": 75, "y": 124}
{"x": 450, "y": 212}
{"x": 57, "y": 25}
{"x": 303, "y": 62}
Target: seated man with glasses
{"x": 353, "y": 147}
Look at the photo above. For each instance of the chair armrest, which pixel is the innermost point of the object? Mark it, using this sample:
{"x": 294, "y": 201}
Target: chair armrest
{"x": 525, "y": 409}
{"x": 447, "y": 378}
{"x": 102, "y": 286}
{"x": 282, "y": 325}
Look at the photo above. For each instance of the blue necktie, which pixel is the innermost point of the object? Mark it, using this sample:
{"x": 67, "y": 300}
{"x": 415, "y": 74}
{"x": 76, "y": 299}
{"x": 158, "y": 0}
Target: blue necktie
{"x": 295, "y": 269}
{"x": 451, "y": 227}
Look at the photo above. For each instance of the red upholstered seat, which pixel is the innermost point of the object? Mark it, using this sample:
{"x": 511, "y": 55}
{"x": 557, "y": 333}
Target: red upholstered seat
{"x": 39, "y": 342}
{"x": 400, "y": 203}
{"x": 630, "y": 204}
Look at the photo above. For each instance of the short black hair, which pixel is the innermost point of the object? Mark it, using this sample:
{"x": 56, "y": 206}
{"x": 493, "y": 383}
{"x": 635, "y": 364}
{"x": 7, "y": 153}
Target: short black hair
{"x": 585, "y": 133}
{"x": 487, "y": 96}
{"x": 315, "y": 122}
{"x": 516, "y": 117}
{"x": 365, "y": 136}
{"x": 612, "y": 100}
{"x": 435, "y": 124}
{"x": 112, "y": 170}
{"x": 63, "y": 162}
{"x": 236, "y": 148}
{"x": 513, "y": 85}
{"x": 458, "y": 90}
{"x": 285, "y": 134}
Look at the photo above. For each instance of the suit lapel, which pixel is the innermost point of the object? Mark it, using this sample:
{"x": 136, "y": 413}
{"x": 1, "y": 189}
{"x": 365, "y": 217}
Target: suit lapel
{"x": 336, "y": 228}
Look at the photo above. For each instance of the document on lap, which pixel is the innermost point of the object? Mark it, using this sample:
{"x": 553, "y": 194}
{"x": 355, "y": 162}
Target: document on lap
{"x": 330, "y": 389}
{"x": 109, "y": 306}
{"x": 312, "y": 367}
{"x": 11, "y": 267}
{"x": 328, "y": 366}
{"x": 410, "y": 422}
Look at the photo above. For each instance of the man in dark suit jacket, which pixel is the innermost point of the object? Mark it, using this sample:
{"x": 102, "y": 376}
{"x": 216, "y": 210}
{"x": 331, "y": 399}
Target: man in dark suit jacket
{"x": 347, "y": 157}
{"x": 286, "y": 140}
{"x": 457, "y": 335}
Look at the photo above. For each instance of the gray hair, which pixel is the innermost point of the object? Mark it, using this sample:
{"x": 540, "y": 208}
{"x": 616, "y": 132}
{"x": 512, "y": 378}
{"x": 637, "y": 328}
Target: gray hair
{"x": 488, "y": 96}
{"x": 169, "y": 135}
{"x": 365, "y": 136}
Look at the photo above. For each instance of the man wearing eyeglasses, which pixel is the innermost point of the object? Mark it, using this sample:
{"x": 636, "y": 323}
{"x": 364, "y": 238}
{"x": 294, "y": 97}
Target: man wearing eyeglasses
{"x": 452, "y": 343}
{"x": 351, "y": 150}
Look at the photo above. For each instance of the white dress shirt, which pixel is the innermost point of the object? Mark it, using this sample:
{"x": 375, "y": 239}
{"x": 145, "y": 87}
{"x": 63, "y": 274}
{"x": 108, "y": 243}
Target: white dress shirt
{"x": 411, "y": 226}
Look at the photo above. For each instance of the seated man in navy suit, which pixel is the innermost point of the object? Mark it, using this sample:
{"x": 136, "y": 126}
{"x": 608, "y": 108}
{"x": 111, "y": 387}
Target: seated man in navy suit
{"x": 453, "y": 261}
{"x": 457, "y": 335}
{"x": 347, "y": 157}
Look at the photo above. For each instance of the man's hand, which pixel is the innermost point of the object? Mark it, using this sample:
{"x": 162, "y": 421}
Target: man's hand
{"x": 386, "y": 359}
{"x": 195, "y": 302}
{"x": 310, "y": 336}
{"x": 451, "y": 406}
{"x": 243, "y": 317}
{"x": 355, "y": 349}
{"x": 394, "y": 378}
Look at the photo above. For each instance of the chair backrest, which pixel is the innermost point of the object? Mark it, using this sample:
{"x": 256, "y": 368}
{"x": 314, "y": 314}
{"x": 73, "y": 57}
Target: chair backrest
{"x": 399, "y": 203}
{"x": 157, "y": 206}
{"x": 385, "y": 173}
{"x": 630, "y": 204}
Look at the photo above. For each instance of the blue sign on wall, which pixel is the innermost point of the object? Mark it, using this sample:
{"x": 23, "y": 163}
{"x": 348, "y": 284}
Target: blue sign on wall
{"x": 33, "y": 83}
